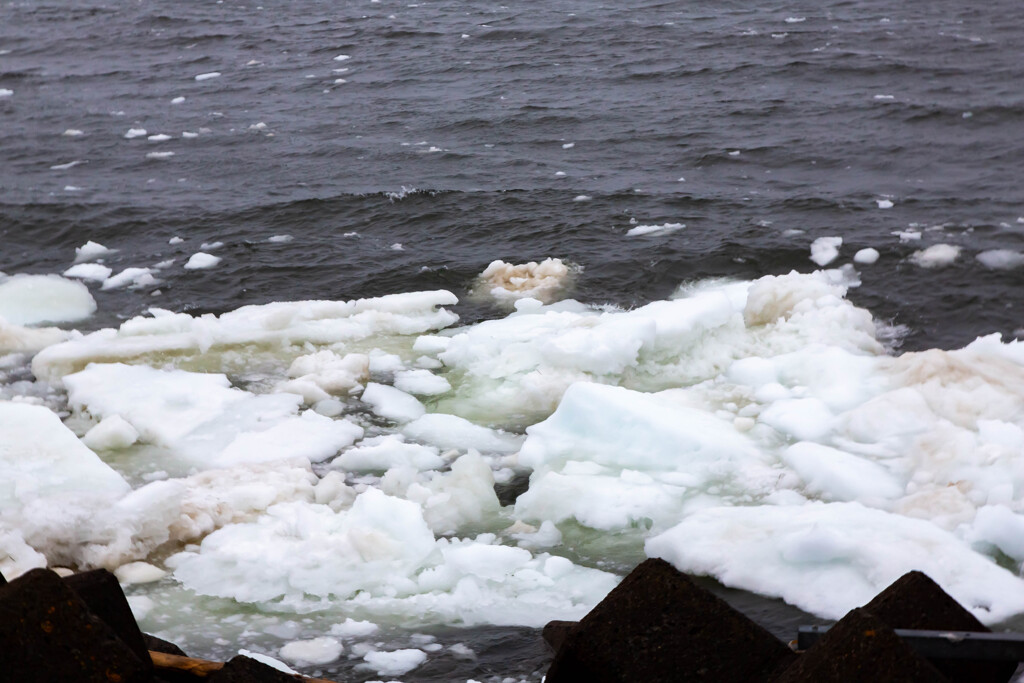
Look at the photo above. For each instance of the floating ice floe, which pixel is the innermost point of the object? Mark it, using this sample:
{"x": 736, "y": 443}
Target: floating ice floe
{"x": 35, "y": 299}
{"x": 130, "y": 277}
{"x": 936, "y": 256}
{"x": 507, "y": 283}
{"x": 201, "y": 261}
{"x": 88, "y": 271}
{"x": 1001, "y": 259}
{"x": 281, "y": 324}
{"x": 663, "y": 229}
{"x": 867, "y": 256}
{"x": 380, "y": 555}
{"x": 825, "y": 250}
{"x": 90, "y": 251}
{"x": 207, "y": 76}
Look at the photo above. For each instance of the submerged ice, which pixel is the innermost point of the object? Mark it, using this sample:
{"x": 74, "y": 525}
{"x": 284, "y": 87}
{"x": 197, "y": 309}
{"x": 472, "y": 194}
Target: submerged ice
{"x": 341, "y": 457}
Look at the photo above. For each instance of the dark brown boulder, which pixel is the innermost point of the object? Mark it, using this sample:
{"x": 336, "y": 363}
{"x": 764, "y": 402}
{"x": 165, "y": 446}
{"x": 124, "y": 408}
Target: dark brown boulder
{"x": 860, "y": 647}
{"x": 102, "y": 594}
{"x": 48, "y": 634}
{"x": 915, "y": 601}
{"x": 555, "y": 633}
{"x": 657, "y": 625}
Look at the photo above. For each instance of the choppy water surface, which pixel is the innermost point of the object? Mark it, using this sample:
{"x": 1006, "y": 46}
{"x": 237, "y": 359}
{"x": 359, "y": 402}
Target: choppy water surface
{"x": 358, "y": 149}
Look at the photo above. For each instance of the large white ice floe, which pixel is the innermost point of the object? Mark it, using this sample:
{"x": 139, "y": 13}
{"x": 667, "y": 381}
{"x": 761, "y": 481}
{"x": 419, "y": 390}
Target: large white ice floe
{"x": 34, "y": 299}
{"x": 275, "y": 325}
{"x": 201, "y": 417}
{"x": 828, "y": 558}
{"x": 381, "y": 556}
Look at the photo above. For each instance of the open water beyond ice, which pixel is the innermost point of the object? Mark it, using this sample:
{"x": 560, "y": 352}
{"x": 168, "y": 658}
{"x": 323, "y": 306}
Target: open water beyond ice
{"x": 370, "y": 336}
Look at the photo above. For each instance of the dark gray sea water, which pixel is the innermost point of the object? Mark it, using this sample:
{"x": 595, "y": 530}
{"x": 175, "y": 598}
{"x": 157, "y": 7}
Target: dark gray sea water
{"x": 468, "y": 132}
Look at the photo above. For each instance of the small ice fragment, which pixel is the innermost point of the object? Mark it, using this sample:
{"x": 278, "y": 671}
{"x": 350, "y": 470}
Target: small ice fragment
{"x": 189, "y": 136}
{"x": 315, "y": 651}
{"x": 72, "y": 133}
{"x": 209, "y": 246}
{"x": 342, "y": 58}
{"x": 88, "y": 271}
{"x": 908, "y": 235}
{"x": 680, "y": 179}
{"x": 967, "y": 115}
{"x": 201, "y": 260}
{"x": 663, "y": 229}
{"x": 397, "y": 246}
{"x": 91, "y": 250}
{"x": 135, "y": 133}
{"x": 258, "y": 126}
{"x": 178, "y": 100}
{"x": 160, "y": 155}
{"x": 795, "y": 20}
{"x": 582, "y": 198}
{"x": 350, "y": 628}
{"x": 866, "y": 256}
{"x": 465, "y": 35}
{"x": 734, "y": 153}
{"x": 175, "y": 240}
{"x": 1001, "y": 259}
{"x": 884, "y": 203}
{"x": 208, "y": 76}
{"x": 71, "y": 188}
{"x": 396, "y": 662}
{"x": 280, "y": 239}
{"x": 559, "y": 174}
{"x": 130, "y": 277}
{"x": 885, "y": 97}
{"x": 936, "y": 256}
{"x": 824, "y": 250}
{"x": 339, "y": 81}
{"x": 159, "y": 137}
{"x": 138, "y": 572}
{"x": 569, "y": 145}
{"x": 4, "y": 92}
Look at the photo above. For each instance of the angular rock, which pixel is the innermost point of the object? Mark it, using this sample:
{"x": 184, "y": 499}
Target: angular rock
{"x": 915, "y": 601}
{"x": 102, "y": 594}
{"x": 241, "y": 669}
{"x": 860, "y": 647}
{"x": 48, "y": 634}
{"x": 657, "y": 625}
{"x": 555, "y": 633}
{"x": 160, "y": 645}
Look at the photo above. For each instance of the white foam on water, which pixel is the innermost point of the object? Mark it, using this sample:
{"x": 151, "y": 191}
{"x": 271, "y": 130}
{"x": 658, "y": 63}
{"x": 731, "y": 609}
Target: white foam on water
{"x": 201, "y": 261}
{"x": 160, "y": 137}
{"x": 936, "y": 256}
{"x": 207, "y": 76}
{"x": 159, "y": 155}
{"x": 72, "y": 133}
{"x": 64, "y": 167}
{"x": 35, "y": 299}
{"x": 663, "y": 229}
{"x": 280, "y": 239}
